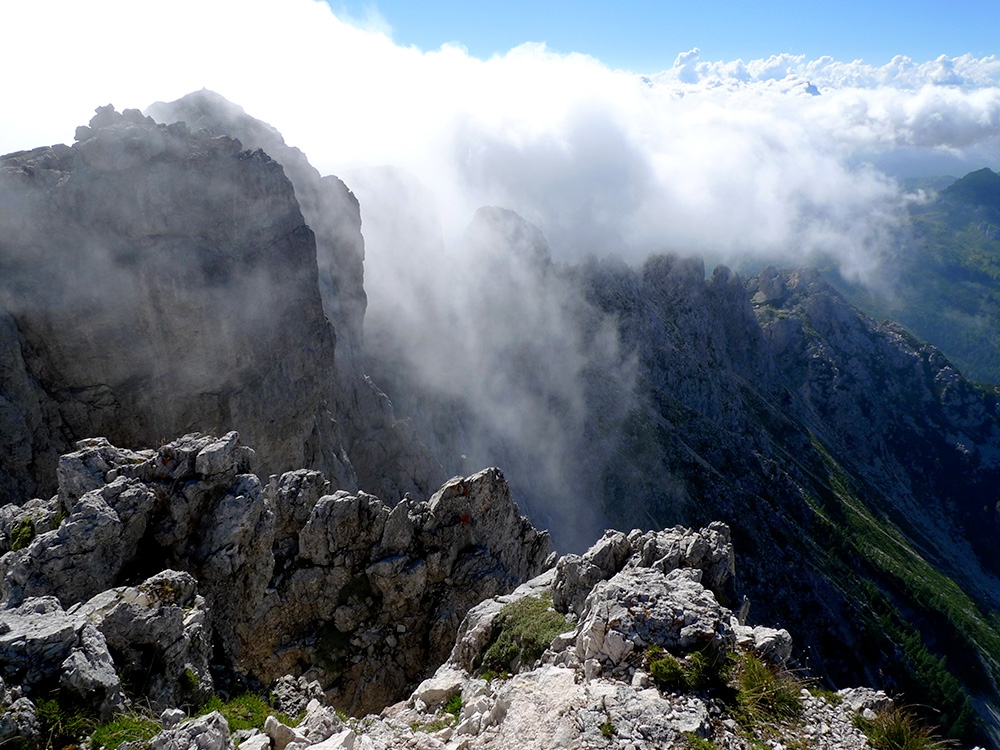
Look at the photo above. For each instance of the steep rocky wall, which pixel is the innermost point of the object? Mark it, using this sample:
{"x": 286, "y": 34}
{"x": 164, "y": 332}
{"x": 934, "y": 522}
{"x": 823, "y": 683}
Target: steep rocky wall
{"x": 163, "y": 281}
{"x": 386, "y": 454}
{"x": 330, "y": 209}
{"x": 156, "y": 279}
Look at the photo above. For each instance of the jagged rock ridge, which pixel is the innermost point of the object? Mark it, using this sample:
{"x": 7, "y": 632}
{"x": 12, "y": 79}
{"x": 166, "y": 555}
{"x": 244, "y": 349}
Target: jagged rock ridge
{"x": 357, "y": 594}
{"x": 150, "y": 641}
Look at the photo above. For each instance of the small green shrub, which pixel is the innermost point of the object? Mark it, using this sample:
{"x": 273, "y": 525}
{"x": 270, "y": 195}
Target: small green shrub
{"x": 607, "y": 728}
{"x": 431, "y": 726}
{"x": 22, "y": 534}
{"x": 63, "y": 725}
{"x": 668, "y": 673}
{"x": 896, "y": 728}
{"x": 522, "y": 631}
{"x": 246, "y": 711}
{"x": 453, "y": 705}
{"x": 125, "y": 728}
{"x": 707, "y": 669}
{"x": 764, "y": 693}
{"x": 189, "y": 680}
{"x": 700, "y": 670}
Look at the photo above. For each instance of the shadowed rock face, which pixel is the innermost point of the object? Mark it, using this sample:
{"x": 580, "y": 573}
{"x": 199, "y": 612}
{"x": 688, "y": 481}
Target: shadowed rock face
{"x": 330, "y": 209}
{"x": 386, "y": 455}
{"x": 156, "y": 280}
{"x": 161, "y": 281}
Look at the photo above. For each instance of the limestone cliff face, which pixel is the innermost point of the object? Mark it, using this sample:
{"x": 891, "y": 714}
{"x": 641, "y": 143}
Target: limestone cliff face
{"x": 386, "y": 455}
{"x": 158, "y": 280}
{"x": 163, "y": 280}
{"x": 329, "y": 208}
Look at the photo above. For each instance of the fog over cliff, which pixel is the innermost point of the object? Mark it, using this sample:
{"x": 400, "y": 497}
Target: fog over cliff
{"x": 784, "y": 160}
{"x": 737, "y": 158}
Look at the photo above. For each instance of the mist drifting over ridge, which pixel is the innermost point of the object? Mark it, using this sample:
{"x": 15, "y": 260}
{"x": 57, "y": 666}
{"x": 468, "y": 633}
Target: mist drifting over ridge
{"x": 734, "y": 158}
{"x": 536, "y": 297}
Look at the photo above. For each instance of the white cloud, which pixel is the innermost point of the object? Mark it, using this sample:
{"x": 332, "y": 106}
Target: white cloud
{"x": 733, "y": 156}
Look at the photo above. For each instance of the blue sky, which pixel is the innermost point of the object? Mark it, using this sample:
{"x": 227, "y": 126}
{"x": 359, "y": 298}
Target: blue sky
{"x": 647, "y": 36}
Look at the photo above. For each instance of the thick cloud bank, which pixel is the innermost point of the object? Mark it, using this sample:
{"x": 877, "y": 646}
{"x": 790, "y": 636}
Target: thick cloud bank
{"x": 733, "y": 158}
{"x": 783, "y": 159}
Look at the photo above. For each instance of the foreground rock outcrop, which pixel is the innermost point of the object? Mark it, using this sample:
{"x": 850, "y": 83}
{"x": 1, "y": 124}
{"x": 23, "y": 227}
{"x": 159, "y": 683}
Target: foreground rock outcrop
{"x": 340, "y": 600}
{"x": 284, "y": 578}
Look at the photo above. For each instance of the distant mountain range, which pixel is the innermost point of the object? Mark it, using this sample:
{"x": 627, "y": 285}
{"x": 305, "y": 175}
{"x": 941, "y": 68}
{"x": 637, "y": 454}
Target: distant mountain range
{"x": 944, "y": 282}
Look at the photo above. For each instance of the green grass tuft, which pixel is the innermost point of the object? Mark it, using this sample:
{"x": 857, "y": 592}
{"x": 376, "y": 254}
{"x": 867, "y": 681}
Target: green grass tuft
{"x": 436, "y": 725}
{"x": 246, "y": 711}
{"x": 22, "y": 534}
{"x": 698, "y": 743}
{"x": 701, "y": 670}
{"x": 522, "y": 631}
{"x": 764, "y": 693}
{"x": 126, "y": 728}
{"x": 63, "y": 725}
{"x": 668, "y": 673}
{"x": 896, "y": 728}
{"x": 453, "y": 706}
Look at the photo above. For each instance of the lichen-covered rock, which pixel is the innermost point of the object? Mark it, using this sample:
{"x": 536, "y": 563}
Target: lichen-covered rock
{"x": 770, "y": 644}
{"x": 292, "y": 695}
{"x": 20, "y": 524}
{"x": 83, "y": 556}
{"x": 19, "y": 725}
{"x": 708, "y": 550}
{"x": 192, "y": 504}
{"x": 642, "y": 607}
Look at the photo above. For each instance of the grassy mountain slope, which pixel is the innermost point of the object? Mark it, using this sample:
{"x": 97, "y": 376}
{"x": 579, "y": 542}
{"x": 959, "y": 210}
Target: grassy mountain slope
{"x": 947, "y": 284}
